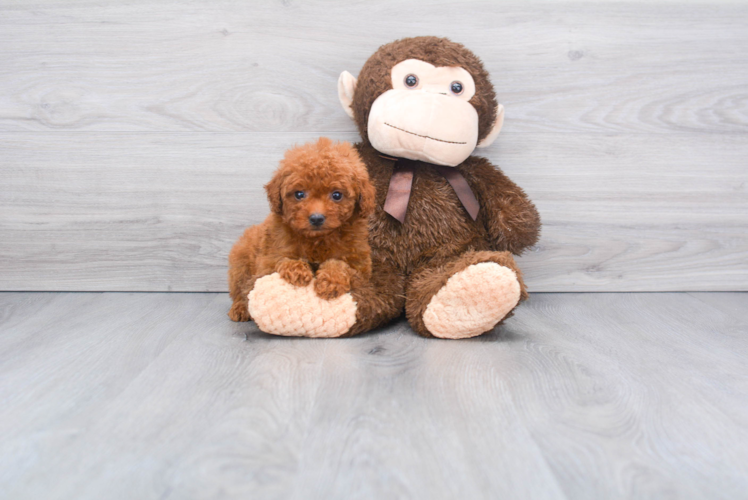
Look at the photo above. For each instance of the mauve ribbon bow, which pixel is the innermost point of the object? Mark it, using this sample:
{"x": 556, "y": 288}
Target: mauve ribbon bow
{"x": 398, "y": 194}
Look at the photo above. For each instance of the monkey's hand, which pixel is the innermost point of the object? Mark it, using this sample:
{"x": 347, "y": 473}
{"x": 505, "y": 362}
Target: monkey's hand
{"x": 514, "y": 226}
{"x": 510, "y": 218}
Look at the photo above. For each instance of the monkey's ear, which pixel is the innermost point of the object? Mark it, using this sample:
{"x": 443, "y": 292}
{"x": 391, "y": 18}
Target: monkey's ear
{"x": 346, "y": 87}
{"x": 488, "y": 140}
{"x": 273, "y": 190}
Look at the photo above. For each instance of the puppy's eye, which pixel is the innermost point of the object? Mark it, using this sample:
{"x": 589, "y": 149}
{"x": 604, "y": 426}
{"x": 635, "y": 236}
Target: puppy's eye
{"x": 411, "y": 81}
{"x": 336, "y": 195}
{"x": 456, "y": 88}
{"x": 299, "y": 195}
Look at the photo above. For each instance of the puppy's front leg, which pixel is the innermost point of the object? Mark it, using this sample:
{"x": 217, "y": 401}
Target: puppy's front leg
{"x": 333, "y": 279}
{"x": 297, "y": 272}
{"x": 239, "y": 310}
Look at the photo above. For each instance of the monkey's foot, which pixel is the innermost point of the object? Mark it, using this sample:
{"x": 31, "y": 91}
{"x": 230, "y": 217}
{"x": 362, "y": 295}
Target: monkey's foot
{"x": 280, "y": 308}
{"x": 472, "y": 302}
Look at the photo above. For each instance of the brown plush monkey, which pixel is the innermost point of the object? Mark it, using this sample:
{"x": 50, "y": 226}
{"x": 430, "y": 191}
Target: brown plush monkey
{"x": 446, "y": 223}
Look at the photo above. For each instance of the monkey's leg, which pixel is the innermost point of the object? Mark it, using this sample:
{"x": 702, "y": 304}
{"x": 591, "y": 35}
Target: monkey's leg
{"x": 282, "y": 309}
{"x": 381, "y": 299}
{"x": 465, "y": 296}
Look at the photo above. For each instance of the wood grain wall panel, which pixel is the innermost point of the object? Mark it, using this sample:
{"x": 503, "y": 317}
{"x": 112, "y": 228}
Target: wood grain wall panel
{"x": 135, "y": 138}
{"x": 273, "y": 66}
{"x": 159, "y": 211}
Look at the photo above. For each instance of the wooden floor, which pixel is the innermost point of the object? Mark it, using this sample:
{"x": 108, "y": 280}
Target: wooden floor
{"x": 127, "y": 395}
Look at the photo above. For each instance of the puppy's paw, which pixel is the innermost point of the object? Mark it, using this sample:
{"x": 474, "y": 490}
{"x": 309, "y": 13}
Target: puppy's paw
{"x": 296, "y": 272}
{"x": 332, "y": 282}
{"x": 239, "y": 312}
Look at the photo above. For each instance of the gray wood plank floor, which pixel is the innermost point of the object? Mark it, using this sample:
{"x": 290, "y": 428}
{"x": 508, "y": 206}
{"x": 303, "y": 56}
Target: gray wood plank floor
{"x": 126, "y": 395}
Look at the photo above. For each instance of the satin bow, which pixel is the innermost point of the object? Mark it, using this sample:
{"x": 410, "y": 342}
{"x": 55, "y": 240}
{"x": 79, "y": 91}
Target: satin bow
{"x": 401, "y": 182}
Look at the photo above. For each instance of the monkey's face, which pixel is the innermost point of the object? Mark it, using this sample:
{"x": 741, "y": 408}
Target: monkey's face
{"x": 423, "y": 98}
{"x": 426, "y": 115}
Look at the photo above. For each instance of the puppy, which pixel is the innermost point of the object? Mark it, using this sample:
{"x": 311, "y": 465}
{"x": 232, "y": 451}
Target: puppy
{"x": 320, "y": 200}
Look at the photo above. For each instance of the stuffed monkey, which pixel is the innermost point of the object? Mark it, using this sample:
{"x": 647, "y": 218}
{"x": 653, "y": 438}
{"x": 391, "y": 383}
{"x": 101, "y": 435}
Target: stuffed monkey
{"x": 446, "y": 223}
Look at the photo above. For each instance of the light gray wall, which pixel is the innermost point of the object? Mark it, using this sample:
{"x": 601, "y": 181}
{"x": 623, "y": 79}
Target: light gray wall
{"x": 134, "y": 139}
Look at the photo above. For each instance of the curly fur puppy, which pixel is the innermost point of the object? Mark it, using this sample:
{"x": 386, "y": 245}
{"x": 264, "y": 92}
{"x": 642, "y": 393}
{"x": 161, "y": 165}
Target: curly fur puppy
{"x": 320, "y": 200}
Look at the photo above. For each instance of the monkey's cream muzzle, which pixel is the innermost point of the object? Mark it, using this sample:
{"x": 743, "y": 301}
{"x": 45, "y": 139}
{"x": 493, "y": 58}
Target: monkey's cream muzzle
{"x": 423, "y": 125}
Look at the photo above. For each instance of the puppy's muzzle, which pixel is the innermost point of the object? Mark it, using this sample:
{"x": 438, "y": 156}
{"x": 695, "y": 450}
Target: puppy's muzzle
{"x": 316, "y": 220}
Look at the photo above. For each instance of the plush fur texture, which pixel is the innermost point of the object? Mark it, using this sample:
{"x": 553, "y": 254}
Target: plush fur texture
{"x": 438, "y": 238}
{"x": 374, "y": 78}
{"x": 285, "y": 309}
{"x": 459, "y": 309}
{"x": 290, "y": 244}
{"x": 413, "y": 261}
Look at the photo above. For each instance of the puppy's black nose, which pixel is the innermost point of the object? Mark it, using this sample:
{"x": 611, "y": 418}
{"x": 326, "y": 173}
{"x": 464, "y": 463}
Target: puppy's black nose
{"x": 316, "y": 219}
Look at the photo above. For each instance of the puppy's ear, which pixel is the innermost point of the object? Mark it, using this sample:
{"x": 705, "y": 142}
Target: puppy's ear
{"x": 274, "y": 190}
{"x": 367, "y": 196}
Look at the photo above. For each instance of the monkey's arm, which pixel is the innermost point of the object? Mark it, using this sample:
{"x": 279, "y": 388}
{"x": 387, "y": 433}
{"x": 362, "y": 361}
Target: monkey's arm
{"x": 511, "y": 219}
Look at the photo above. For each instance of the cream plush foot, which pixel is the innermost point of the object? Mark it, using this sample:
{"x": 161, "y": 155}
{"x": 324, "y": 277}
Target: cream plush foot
{"x": 472, "y": 302}
{"x": 280, "y": 308}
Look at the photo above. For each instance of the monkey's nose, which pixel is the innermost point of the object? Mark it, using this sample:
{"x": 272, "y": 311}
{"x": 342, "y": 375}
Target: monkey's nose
{"x": 316, "y": 220}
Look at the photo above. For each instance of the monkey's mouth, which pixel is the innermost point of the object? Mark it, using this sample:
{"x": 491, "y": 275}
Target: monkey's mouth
{"x": 424, "y": 136}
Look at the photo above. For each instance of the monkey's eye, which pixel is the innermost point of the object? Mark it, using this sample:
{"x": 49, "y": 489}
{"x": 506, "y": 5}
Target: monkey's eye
{"x": 336, "y": 195}
{"x": 456, "y": 88}
{"x": 411, "y": 81}
{"x": 299, "y": 195}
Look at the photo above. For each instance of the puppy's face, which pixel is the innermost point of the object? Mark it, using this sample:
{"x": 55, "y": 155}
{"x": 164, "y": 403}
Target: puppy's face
{"x": 315, "y": 208}
{"x": 319, "y": 187}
